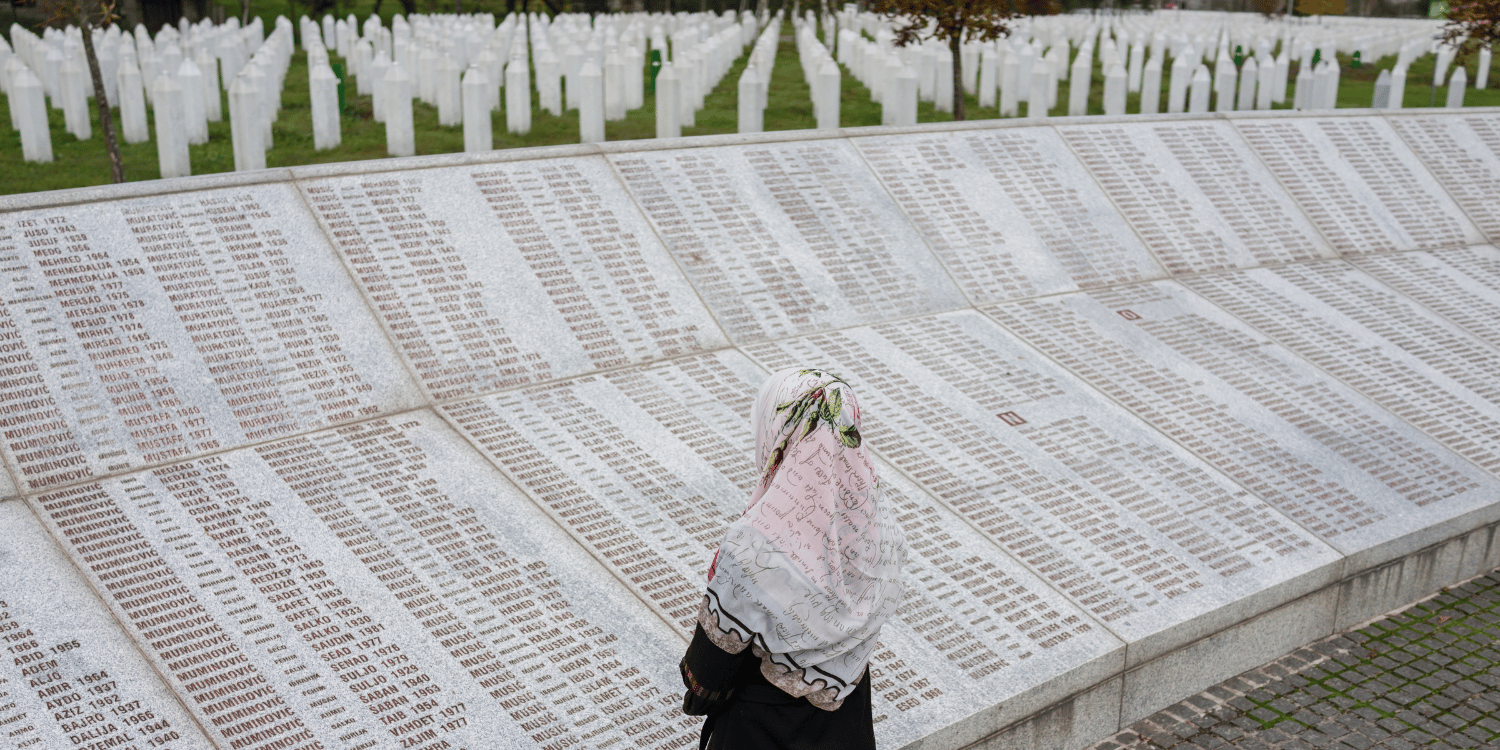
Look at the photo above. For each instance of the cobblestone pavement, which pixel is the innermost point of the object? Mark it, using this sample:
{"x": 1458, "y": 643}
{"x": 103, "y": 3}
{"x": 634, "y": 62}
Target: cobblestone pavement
{"x": 1425, "y": 677}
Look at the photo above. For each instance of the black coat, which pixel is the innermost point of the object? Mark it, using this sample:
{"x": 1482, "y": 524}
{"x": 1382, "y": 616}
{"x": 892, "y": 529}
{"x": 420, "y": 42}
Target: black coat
{"x": 745, "y": 712}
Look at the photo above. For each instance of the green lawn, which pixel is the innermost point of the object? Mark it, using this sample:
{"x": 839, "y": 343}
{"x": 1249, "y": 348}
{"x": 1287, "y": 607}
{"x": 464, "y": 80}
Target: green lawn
{"x": 81, "y": 163}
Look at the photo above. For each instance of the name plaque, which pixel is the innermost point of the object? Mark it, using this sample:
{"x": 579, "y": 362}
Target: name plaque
{"x": 1359, "y": 183}
{"x": 1011, "y": 213}
{"x": 499, "y": 275}
{"x": 1463, "y": 153}
{"x": 646, "y": 467}
{"x": 69, "y": 678}
{"x": 373, "y": 586}
{"x": 1130, "y": 527}
{"x": 1461, "y": 284}
{"x": 1350, "y": 472}
{"x": 143, "y": 331}
{"x": 1402, "y": 356}
{"x": 787, "y": 238}
{"x": 1196, "y": 194}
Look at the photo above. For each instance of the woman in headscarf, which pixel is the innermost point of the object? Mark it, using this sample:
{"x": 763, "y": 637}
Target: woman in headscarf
{"x": 801, "y": 584}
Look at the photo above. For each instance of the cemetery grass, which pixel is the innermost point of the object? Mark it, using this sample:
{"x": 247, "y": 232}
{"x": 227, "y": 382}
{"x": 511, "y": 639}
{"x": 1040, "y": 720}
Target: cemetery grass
{"x": 789, "y": 107}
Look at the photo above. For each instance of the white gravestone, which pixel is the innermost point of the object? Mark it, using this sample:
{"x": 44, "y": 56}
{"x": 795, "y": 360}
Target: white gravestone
{"x": 478, "y": 129}
{"x": 324, "y": 92}
{"x": 171, "y": 128}
{"x": 400, "y": 134}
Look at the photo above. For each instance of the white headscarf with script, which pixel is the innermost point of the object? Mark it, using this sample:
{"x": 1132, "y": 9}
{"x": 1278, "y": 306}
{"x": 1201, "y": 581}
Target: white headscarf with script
{"x": 812, "y": 570}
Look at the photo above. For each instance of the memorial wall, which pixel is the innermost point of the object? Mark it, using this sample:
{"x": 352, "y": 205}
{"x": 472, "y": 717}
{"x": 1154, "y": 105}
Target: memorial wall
{"x": 434, "y": 453}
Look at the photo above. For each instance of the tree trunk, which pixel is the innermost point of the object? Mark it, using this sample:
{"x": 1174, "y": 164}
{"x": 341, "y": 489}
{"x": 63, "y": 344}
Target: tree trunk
{"x": 106, "y": 120}
{"x": 244, "y": 13}
{"x": 955, "y": 45}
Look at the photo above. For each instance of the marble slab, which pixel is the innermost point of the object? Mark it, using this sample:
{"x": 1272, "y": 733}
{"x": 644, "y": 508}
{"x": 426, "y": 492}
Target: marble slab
{"x": 1357, "y": 476}
{"x": 1463, "y": 153}
{"x": 148, "y": 330}
{"x": 497, "y": 275}
{"x": 1011, "y": 213}
{"x": 69, "y": 676}
{"x": 1401, "y": 355}
{"x": 1196, "y": 194}
{"x": 377, "y": 585}
{"x": 7, "y": 486}
{"x": 787, "y": 238}
{"x": 1462, "y": 284}
{"x": 647, "y": 466}
{"x": 1359, "y": 183}
{"x": 1145, "y": 537}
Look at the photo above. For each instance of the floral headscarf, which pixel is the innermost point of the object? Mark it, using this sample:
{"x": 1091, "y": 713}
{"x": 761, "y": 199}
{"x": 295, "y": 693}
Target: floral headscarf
{"x": 811, "y": 571}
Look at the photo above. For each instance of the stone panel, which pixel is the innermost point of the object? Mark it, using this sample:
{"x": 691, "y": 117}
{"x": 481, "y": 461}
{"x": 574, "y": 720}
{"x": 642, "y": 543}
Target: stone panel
{"x": 1196, "y": 194}
{"x": 1359, "y": 183}
{"x": 1354, "y": 474}
{"x": 70, "y": 677}
{"x": 1462, "y": 284}
{"x": 498, "y": 275}
{"x": 1011, "y": 212}
{"x": 1399, "y": 354}
{"x": 374, "y": 585}
{"x": 143, "y": 331}
{"x": 1463, "y": 153}
{"x": 787, "y": 238}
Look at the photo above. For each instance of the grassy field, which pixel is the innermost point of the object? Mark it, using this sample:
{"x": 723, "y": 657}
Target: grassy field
{"x": 81, "y": 163}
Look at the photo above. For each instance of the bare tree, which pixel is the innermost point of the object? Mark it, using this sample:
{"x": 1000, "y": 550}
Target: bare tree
{"x": 86, "y": 14}
{"x": 1477, "y": 20}
{"x": 956, "y": 22}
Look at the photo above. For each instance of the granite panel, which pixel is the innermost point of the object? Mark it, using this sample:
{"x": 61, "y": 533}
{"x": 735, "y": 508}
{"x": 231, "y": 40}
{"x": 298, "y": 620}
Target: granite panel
{"x": 1129, "y": 526}
{"x": 1461, "y": 284}
{"x": 646, "y": 467}
{"x": 1463, "y": 153}
{"x": 376, "y": 585}
{"x": 1359, "y": 183}
{"x": 498, "y": 275}
{"x": 787, "y": 238}
{"x": 1393, "y": 586}
{"x": 1247, "y": 645}
{"x": 1196, "y": 194}
{"x": 1071, "y": 724}
{"x": 144, "y": 331}
{"x": 1011, "y": 213}
{"x": 1354, "y": 474}
{"x": 70, "y": 677}
{"x": 1394, "y": 351}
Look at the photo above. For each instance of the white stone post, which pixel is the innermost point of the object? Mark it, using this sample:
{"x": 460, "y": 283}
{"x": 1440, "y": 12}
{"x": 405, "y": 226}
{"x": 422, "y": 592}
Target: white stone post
{"x": 194, "y": 116}
{"x": 208, "y": 70}
{"x": 614, "y": 87}
{"x": 400, "y": 135}
{"x": 380, "y": 65}
{"x": 1398, "y": 86}
{"x": 989, "y": 76}
{"x": 1010, "y": 85}
{"x": 171, "y": 128}
{"x": 1202, "y": 86}
{"x": 478, "y": 132}
{"x": 943, "y": 94}
{"x": 751, "y": 116}
{"x": 1265, "y": 84}
{"x": 1225, "y": 78}
{"x": 75, "y": 99}
{"x": 667, "y": 108}
{"x": 517, "y": 96}
{"x": 1249, "y": 76}
{"x": 245, "y": 125}
{"x": 28, "y": 96}
{"x": 1041, "y": 89}
{"x": 1302, "y": 97}
{"x": 132, "y": 105}
{"x": 828, "y": 94}
{"x": 1079, "y": 80}
{"x": 1151, "y": 86}
{"x": 449, "y": 95}
{"x": 324, "y": 88}
{"x": 1457, "y": 82}
{"x": 1116, "y": 85}
{"x": 1177, "y": 88}
{"x": 1482, "y": 74}
{"x": 590, "y": 103}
